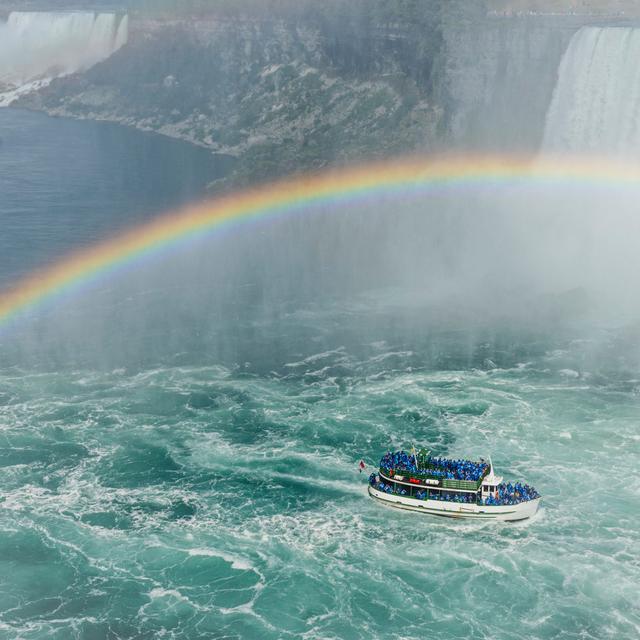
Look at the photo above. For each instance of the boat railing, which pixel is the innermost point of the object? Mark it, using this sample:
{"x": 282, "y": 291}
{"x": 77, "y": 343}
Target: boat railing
{"x": 424, "y": 476}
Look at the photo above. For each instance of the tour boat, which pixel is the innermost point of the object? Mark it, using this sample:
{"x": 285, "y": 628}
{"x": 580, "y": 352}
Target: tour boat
{"x": 451, "y": 488}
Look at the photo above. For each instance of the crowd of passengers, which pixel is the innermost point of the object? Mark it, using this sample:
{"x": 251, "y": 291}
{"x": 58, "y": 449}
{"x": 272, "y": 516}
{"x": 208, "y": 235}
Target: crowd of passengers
{"x": 506, "y": 493}
{"x": 449, "y": 496}
{"x": 439, "y": 467}
{"x": 512, "y": 494}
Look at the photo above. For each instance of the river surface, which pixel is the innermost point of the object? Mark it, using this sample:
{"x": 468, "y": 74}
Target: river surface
{"x": 66, "y": 184}
{"x": 210, "y": 489}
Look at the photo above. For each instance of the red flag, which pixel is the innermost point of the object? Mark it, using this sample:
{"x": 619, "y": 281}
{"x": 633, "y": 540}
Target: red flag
{"x": 362, "y": 465}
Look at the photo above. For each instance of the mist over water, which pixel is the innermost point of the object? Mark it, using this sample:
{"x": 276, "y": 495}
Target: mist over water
{"x": 180, "y": 440}
{"x": 522, "y": 257}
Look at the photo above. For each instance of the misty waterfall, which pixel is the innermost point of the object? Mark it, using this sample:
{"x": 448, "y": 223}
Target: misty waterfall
{"x": 596, "y": 102}
{"x": 38, "y": 46}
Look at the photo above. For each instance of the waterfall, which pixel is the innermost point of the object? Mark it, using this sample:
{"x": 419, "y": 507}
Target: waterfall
{"x": 596, "y": 102}
{"x": 36, "y": 47}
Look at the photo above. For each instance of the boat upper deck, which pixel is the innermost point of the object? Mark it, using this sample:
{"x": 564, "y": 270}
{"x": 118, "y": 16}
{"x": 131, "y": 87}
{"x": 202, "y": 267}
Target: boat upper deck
{"x": 423, "y": 469}
{"x": 422, "y": 476}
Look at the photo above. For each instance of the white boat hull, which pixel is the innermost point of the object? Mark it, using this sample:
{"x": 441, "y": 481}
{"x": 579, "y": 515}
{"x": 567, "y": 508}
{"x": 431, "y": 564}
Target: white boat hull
{"x": 508, "y": 513}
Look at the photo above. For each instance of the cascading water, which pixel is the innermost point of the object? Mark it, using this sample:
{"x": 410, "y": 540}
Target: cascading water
{"x": 36, "y": 47}
{"x": 596, "y": 103}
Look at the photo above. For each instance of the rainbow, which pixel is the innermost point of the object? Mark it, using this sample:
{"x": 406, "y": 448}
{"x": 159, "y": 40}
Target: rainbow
{"x": 297, "y": 196}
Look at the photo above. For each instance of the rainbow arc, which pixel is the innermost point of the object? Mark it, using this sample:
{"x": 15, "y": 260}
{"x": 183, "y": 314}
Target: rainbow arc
{"x": 297, "y": 196}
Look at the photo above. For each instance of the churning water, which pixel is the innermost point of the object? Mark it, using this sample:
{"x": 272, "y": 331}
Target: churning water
{"x": 178, "y": 451}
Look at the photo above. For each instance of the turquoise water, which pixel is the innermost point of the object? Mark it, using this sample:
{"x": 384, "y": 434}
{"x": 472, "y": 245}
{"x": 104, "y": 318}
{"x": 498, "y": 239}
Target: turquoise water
{"x": 210, "y": 490}
{"x": 207, "y": 503}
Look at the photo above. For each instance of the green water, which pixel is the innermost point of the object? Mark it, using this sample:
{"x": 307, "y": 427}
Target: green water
{"x": 213, "y": 503}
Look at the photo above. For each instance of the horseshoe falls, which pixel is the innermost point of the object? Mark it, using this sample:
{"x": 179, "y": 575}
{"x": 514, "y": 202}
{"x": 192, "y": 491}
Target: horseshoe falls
{"x": 596, "y": 103}
{"x": 38, "y": 46}
{"x": 179, "y": 443}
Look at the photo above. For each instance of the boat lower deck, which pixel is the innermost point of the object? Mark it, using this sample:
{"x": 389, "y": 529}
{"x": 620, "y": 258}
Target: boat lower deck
{"x": 510, "y": 513}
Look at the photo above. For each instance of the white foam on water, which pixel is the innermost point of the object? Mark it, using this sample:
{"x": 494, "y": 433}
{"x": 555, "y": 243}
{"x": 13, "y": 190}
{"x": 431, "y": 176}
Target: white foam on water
{"x": 240, "y": 564}
{"x": 159, "y": 592}
{"x": 8, "y": 96}
{"x": 324, "y": 355}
